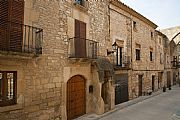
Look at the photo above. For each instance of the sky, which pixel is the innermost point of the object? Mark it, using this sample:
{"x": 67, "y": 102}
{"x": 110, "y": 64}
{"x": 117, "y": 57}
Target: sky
{"x": 164, "y": 13}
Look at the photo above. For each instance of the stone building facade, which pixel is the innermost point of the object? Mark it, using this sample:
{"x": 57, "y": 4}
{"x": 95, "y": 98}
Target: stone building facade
{"x": 141, "y": 65}
{"x": 60, "y": 83}
{"x": 61, "y": 65}
{"x": 173, "y": 36}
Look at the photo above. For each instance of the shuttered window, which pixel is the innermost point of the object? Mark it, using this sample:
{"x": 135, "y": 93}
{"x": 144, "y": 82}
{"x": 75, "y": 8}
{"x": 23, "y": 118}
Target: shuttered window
{"x": 11, "y": 29}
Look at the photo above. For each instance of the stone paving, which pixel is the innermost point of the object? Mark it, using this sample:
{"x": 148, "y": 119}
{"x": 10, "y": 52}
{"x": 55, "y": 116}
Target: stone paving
{"x": 165, "y": 106}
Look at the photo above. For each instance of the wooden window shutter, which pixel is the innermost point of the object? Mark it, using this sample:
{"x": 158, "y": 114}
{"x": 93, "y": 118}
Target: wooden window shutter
{"x": 4, "y": 17}
{"x": 80, "y": 39}
{"x": 11, "y": 24}
{"x": 16, "y": 25}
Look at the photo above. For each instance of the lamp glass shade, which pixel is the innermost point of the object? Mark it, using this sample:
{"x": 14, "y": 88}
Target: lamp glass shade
{"x": 114, "y": 46}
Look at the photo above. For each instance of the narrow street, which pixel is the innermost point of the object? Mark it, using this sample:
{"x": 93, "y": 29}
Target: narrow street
{"x": 165, "y": 106}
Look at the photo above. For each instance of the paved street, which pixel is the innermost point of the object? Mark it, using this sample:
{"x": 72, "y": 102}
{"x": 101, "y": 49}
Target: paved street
{"x": 165, "y": 106}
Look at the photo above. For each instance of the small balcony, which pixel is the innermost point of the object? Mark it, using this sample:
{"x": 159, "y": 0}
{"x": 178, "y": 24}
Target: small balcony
{"x": 82, "y": 48}
{"x": 20, "y": 39}
{"x": 122, "y": 62}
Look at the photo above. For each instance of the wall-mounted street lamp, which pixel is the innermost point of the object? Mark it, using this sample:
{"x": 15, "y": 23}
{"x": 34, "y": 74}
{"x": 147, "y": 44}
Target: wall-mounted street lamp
{"x": 114, "y": 47}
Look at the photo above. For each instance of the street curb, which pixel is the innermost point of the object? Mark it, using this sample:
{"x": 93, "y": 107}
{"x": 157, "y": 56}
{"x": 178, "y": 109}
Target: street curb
{"x": 118, "y": 107}
{"x": 129, "y": 103}
{"x": 121, "y": 106}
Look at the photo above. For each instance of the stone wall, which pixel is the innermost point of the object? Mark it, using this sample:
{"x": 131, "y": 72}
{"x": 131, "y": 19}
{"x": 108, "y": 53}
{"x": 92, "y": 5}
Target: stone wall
{"x": 142, "y": 37}
{"x": 41, "y": 81}
{"x": 172, "y": 33}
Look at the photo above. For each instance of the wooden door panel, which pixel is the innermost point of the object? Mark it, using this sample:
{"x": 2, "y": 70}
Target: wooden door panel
{"x": 75, "y": 97}
{"x": 121, "y": 89}
{"x": 83, "y": 39}
{"x": 80, "y": 39}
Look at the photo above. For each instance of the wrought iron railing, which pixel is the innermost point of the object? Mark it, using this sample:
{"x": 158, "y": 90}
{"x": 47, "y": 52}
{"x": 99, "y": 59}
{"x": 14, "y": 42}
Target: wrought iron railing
{"x": 126, "y": 61}
{"x": 82, "y": 48}
{"x": 15, "y": 37}
{"x": 122, "y": 61}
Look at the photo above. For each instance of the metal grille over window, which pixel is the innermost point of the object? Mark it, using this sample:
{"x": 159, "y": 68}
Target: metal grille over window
{"x": 8, "y": 88}
{"x": 10, "y": 79}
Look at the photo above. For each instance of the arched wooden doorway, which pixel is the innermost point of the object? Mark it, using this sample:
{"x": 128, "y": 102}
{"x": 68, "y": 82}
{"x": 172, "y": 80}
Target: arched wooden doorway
{"x": 76, "y": 97}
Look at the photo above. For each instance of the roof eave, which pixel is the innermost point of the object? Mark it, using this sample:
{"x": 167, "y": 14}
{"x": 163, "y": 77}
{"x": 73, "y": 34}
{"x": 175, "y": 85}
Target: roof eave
{"x": 133, "y": 12}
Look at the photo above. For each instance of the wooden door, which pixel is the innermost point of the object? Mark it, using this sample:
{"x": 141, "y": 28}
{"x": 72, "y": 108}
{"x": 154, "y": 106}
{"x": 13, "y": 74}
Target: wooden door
{"x": 174, "y": 78}
{"x": 80, "y": 39}
{"x": 168, "y": 79}
{"x": 75, "y": 97}
{"x": 160, "y": 77}
{"x": 140, "y": 77}
{"x": 11, "y": 28}
{"x": 121, "y": 89}
{"x": 153, "y": 83}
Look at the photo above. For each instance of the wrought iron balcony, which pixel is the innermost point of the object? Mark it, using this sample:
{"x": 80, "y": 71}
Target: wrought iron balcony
{"x": 122, "y": 62}
{"x": 20, "y": 38}
{"x": 82, "y": 48}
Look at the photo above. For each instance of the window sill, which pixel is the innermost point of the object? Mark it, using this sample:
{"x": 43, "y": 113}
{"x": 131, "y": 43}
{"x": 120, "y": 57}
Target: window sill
{"x": 138, "y": 60}
{"x": 11, "y": 107}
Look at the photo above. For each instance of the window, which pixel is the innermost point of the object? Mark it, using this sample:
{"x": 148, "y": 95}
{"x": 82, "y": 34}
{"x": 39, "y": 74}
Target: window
{"x": 151, "y": 56}
{"x": 174, "y": 61}
{"x": 80, "y": 2}
{"x": 138, "y": 55}
{"x": 11, "y": 17}
{"x": 161, "y": 58}
{"x": 8, "y": 88}
{"x": 159, "y": 40}
{"x": 134, "y": 25}
{"x": 167, "y": 59}
{"x": 119, "y": 56}
{"x": 152, "y": 35}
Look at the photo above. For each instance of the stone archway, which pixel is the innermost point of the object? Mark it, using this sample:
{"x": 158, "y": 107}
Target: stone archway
{"x": 76, "y": 97}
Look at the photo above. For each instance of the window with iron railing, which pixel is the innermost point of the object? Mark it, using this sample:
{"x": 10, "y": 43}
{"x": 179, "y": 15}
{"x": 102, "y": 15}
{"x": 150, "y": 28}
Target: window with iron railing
{"x": 8, "y": 88}
{"x": 14, "y": 35}
{"x": 82, "y": 48}
{"x": 122, "y": 60}
{"x": 27, "y": 40}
